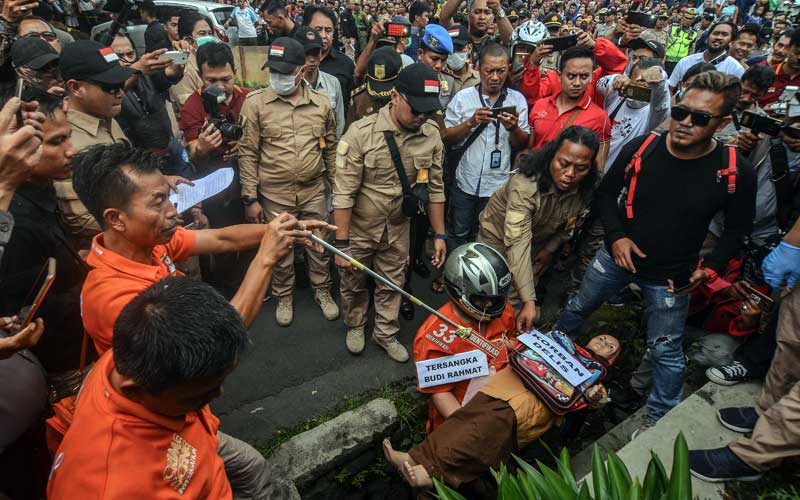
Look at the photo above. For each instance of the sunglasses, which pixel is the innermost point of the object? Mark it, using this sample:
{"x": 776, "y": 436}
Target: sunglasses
{"x": 110, "y": 88}
{"x": 128, "y": 57}
{"x": 699, "y": 118}
{"x": 47, "y": 36}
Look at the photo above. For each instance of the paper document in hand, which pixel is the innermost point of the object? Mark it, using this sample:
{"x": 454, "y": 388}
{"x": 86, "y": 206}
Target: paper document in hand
{"x": 203, "y": 189}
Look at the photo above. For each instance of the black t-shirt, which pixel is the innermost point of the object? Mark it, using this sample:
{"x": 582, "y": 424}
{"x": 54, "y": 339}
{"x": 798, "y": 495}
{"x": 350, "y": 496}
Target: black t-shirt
{"x": 343, "y": 68}
{"x": 673, "y": 205}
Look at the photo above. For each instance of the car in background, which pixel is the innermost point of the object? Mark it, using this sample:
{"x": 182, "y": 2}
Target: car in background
{"x": 215, "y": 13}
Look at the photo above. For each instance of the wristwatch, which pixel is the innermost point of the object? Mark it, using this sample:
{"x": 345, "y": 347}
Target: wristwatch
{"x": 247, "y": 200}
{"x": 440, "y": 237}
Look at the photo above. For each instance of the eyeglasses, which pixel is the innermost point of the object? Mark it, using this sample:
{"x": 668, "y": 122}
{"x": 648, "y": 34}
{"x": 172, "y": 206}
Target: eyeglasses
{"x": 699, "y": 118}
{"x": 47, "y": 36}
{"x": 128, "y": 57}
{"x": 110, "y": 88}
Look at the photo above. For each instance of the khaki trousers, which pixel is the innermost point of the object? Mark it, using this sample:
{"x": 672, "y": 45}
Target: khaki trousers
{"x": 777, "y": 433}
{"x": 389, "y": 261}
{"x": 248, "y": 473}
{"x": 319, "y": 270}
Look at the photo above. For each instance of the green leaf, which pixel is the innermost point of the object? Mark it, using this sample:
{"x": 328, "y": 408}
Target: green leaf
{"x": 445, "y": 492}
{"x": 680, "y": 483}
{"x": 534, "y": 477}
{"x": 599, "y": 475}
{"x": 583, "y": 494}
{"x": 619, "y": 478}
{"x": 655, "y": 480}
{"x": 565, "y": 469}
{"x": 527, "y": 485}
{"x": 509, "y": 488}
{"x": 558, "y": 487}
{"x": 635, "y": 492}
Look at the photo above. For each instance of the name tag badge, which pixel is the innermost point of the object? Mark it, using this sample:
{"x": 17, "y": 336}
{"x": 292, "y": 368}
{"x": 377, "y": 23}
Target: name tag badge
{"x": 496, "y": 157}
{"x": 450, "y": 369}
{"x": 422, "y": 175}
{"x": 322, "y": 143}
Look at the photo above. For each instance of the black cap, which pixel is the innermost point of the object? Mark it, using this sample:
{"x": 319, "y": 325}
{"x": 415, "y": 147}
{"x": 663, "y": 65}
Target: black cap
{"x": 93, "y": 61}
{"x": 419, "y": 83}
{"x": 553, "y": 21}
{"x": 459, "y": 34}
{"x": 308, "y": 38}
{"x": 383, "y": 67}
{"x": 33, "y": 53}
{"x": 284, "y": 55}
{"x": 656, "y": 47}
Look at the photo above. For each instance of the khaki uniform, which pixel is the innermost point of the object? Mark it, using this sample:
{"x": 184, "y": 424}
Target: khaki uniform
{"x": 281, "y": 162}
{"x": 520, "y": 220}
{"x": 366, "y": 182}
{"x": 362, "y": 105}
{"x": 469, "y": 79}
{"x": 777, "y": 433}
{"x": 189, "y": 84}
{"x": 86, "y": 131}
{"x": 447, "y": 86}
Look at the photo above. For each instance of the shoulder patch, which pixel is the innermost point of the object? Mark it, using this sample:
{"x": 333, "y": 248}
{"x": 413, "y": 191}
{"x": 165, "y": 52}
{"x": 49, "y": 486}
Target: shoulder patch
{"x": 342, "y": 148}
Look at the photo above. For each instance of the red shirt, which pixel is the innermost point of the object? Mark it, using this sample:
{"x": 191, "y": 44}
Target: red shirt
{"x": 118, "y": 449}
{"x": 546, "y": 122}
{"x": 782, "y": 81}
{"x": 193, "y": 115}
{"x": 435, "y": 339}
{"x": 114, "y": 281}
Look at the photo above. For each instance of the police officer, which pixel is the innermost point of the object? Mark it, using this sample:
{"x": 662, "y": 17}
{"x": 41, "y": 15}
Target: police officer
{"x": 433, "y": 50}
{"x": 681, "y": 40}
{"x": 383, "y": 67}
{"x": 458, "y": 64}
{"x": 289, "y": 129}
{"x": 367, "y": 202}
{"x": 553, "y": 22}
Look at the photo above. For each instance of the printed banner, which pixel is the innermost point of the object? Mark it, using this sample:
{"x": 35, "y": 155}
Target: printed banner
{"x": 555, "y": 355}
{"x": 450, "y": 369}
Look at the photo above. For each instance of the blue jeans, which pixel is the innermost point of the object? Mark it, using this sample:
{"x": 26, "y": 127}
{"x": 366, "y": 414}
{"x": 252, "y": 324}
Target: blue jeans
{"x": 464, "y": 211}
{"x": 666, "y": 319}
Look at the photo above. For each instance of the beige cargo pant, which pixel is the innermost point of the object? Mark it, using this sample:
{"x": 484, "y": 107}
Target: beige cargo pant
{"x": 389, "y": 261}
{"x": 777, "y": 433}
{"x": 249, "y": 474}
{"x": 319, "y": 270}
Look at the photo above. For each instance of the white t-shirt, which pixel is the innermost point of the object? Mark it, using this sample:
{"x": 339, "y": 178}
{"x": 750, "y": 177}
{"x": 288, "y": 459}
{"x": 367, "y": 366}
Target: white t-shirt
{"x": 246, "y": 21}
{"x": 728, "y": 65}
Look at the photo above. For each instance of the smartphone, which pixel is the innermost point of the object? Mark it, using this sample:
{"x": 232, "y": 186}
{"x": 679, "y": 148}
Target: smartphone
{"x": 18, "y": 92}
{"x": 756, "y": 294}
{"x": 505, "y": 109}
{"x": 761, "y": 124}
{"x": 637, "y": 93}
{"x": 519, "y": 60}
{"x": 396, "y": 29}
{"x": 642, "y": 19}
{"x": 39, "y": 291}
{"x": 177, "y": 56}
{"x": 562, "y": 42}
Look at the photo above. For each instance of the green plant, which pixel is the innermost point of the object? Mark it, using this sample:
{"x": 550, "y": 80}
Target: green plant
{"x": 610, "y": 479}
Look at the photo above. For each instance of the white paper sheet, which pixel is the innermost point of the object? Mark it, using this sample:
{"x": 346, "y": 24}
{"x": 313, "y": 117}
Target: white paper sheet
{"x": 189, "y": 196}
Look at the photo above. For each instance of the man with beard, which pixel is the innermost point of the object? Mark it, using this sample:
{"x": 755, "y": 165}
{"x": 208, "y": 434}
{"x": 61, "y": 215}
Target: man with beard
{"x": 671, "y": 193}
{"x": 721, "y": 35}
{"x": 481, "y": 15}
{"x": 367, "y": 200}
{"x": 787, "y": 73}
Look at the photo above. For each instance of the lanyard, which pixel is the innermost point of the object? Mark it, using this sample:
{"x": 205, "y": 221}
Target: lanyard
{"x": 497, "y": 120}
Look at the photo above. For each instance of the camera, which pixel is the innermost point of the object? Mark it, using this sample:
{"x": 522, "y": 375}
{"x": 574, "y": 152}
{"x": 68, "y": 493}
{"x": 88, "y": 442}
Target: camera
{"x": 212, "y": 98}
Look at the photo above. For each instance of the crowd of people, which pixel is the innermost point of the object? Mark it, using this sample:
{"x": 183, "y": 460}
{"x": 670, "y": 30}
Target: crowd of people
{"x": 649, "y": 150}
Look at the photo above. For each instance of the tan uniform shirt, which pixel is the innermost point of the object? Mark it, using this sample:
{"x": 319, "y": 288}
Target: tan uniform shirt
{"x": 366, "y": 179}
{"x": 86, "y": 131}
{"x": 469, "y": 79}
{"x": 282, "y": 150}
{"x": 520, "y": 219}
{"x": 189, "y": 84}
{"x": 362, "y": 105}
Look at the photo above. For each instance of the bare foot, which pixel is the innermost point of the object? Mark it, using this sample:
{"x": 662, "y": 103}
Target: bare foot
{"x": 394, "y": 457}
{"x": 417, "y": 476}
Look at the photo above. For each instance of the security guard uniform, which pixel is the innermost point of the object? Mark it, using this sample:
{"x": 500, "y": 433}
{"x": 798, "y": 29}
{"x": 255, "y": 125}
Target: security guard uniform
{"x": 366, "y": 183}
{"x": 552, "y": 22}
{"x": 383, "y": 66}
{"x": 436, "y": 39}
{"x": 520, "y": 220}
{"x": 282, "y": 153}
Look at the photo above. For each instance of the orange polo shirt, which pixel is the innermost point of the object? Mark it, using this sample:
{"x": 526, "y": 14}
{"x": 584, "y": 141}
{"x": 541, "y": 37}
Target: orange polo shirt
{"x": 435, "y": 339}
{"x": 118, "y": 449}
{"x": 115, "y": 280}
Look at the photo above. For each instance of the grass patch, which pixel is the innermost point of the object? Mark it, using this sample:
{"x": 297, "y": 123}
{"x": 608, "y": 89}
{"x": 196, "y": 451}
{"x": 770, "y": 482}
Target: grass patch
{"x": 777, "y": 484}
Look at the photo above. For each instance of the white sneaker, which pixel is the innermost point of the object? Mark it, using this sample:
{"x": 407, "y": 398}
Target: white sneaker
{"x": 284, "y": 313}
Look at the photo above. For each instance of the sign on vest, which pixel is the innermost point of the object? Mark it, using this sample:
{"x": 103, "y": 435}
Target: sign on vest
{"x": 450, "y": 369}
{"x": 557, "y": 357}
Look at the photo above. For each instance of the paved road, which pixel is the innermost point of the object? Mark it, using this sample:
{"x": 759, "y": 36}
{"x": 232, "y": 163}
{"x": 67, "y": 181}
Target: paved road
{"x": 300, "y": 372}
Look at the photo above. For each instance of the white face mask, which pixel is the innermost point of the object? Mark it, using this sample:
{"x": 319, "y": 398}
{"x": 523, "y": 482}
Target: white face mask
{"x": 633, "y": 103}
{"x": 457, "y": 60}
{"x": 283, "y": 84}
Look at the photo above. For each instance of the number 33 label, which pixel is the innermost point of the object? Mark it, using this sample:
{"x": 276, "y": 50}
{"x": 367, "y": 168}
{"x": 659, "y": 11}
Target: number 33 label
{"x": 442, "y": 331}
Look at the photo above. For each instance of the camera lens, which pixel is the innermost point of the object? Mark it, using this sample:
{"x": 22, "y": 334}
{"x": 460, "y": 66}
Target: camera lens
{"x": 231, "y": 131}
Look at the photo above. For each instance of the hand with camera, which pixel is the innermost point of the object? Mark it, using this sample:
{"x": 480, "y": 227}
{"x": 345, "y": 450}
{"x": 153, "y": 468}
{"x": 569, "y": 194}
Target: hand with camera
{"x": 541, "y": 51}
{"x": 620, "y": 83}
{"x": 208, "y": 141}
{"x": 508, "y": 120}
{"x": 585, "y": 39}
{"x": 746, "y": 140}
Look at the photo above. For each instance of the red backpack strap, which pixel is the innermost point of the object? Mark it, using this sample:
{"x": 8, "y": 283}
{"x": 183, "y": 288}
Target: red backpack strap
{"x": 731, "y": 170}
{"x": 633, "y": 169}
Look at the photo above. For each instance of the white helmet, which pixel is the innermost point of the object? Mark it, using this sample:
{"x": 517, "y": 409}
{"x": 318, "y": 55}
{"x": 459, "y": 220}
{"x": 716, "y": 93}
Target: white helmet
{"x": 530, "y": 33}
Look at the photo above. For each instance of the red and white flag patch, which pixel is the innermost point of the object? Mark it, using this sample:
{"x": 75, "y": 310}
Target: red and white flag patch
{"x": 108, "y": 54}
{"x": 453, "y": 32}
{"x": 431, "y": 86}
{"x": 276, "y": 51}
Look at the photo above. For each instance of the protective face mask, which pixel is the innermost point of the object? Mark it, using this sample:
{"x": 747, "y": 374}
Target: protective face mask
{"x": 282, "y": 84}
{"x": 204, "y": 40}
{"x": 457, "y": 60}
{"x": 633, "y": 103}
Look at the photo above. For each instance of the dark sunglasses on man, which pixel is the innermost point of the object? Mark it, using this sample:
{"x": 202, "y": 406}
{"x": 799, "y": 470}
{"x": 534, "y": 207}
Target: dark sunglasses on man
{"x": 699, "y": 118}
{"x": 47, "y": 36}
{"x": 110, "y": 88}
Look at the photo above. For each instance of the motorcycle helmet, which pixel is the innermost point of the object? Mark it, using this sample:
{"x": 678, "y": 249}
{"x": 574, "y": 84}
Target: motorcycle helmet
{"x": 530, "y": 33}
{"x": 477, "y": 279}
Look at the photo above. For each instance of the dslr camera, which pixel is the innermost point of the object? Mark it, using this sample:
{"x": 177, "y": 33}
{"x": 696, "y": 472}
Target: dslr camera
{"x": 213, "y": 97}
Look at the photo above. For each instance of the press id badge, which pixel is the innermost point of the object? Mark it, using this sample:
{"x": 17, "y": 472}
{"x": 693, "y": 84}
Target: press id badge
{"x": 494, "y": 162}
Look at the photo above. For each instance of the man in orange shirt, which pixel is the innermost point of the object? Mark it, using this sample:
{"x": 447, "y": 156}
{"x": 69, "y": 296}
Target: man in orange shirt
{"x": 143, "y": 427}
{"x": 477, "y": 280}
{"x": 124, "y": 190}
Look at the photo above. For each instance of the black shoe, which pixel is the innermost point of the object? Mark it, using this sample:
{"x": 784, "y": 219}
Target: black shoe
{"x": 421, "y": 269}
{"x": 407, "y": 310}
{"x": 730, "y": 374}
{"x": 720, "y": 465}
{"x": 738, "y": 419}
{"x": 624, "y": 297}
